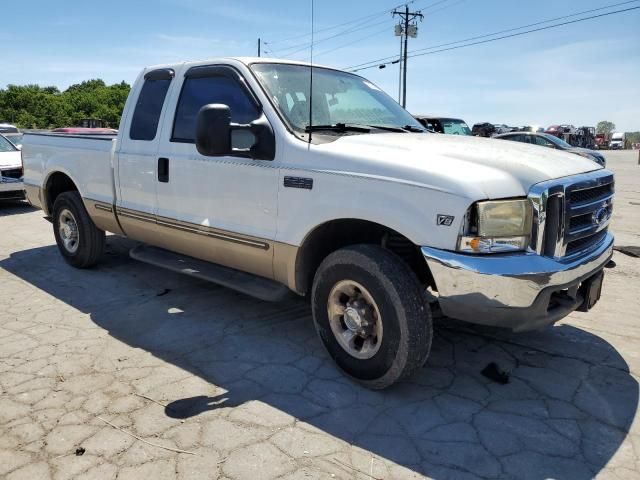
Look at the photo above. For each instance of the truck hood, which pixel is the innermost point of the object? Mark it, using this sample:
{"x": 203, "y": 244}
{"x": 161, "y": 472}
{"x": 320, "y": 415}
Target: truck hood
{"x": 467, "y": 166}
{"x": 10, "y": 159}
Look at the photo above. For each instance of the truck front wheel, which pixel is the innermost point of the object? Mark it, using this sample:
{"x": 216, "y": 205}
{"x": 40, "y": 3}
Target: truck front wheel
{"x": 371, "y": 314}
{"x": 80, "y": 242}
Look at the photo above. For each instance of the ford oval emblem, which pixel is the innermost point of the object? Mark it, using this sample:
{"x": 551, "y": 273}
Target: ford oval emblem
{"x": 601, "y": 215}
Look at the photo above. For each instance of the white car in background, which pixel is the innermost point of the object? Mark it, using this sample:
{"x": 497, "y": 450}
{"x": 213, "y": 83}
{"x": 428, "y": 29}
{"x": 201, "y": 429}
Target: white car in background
{"x": 11, "y": 187}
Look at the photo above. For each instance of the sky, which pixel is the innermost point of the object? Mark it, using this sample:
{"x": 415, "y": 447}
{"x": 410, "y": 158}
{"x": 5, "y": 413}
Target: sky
{"x": 577, "y": 74}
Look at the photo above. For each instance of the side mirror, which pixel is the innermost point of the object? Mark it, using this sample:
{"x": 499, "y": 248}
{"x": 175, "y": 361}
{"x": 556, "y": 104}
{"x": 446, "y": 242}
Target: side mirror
{"x": 214, "y": 134}
{"x": 213, "y": 130}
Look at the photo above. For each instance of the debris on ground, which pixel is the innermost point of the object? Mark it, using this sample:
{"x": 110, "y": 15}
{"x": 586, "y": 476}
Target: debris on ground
{"x": 177, "y": 450}
{"x": 80, "y": 451}
{"x": 493, "y": 372}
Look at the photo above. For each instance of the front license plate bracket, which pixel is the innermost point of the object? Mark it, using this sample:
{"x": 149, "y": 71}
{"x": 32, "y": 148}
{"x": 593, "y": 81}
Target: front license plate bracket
{"x": 591, "y": 290}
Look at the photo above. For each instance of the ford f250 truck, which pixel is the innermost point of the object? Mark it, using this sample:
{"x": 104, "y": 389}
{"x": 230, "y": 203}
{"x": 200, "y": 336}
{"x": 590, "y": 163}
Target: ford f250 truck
{"x": 245, "y": 172}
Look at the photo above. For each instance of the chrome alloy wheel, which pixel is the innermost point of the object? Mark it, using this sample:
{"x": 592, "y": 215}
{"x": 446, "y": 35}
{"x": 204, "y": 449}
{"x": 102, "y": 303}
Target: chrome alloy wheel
{"x": 355, "y": 319}
{"x": 68, "y": 230}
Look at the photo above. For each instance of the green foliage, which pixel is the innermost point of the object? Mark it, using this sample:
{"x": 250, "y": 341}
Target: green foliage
{"x": 605, "y": 127}
{"x": 632, "y": 137}
{"x": 32, "y": 106}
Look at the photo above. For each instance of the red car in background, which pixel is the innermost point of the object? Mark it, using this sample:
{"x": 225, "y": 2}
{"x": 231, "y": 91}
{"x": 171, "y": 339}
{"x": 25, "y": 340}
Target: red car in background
{"x": 85, "y": 131}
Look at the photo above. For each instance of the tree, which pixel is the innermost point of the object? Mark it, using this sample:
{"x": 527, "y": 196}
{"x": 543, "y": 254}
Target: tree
{"x": 32, "y": 106}
{"x": 605, "y": 127}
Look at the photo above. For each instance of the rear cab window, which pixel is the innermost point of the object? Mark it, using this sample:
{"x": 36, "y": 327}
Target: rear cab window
{"x": 146, "y": 116}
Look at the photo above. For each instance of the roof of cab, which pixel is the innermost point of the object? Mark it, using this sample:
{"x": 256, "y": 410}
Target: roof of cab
{"x": 245, "y": 60}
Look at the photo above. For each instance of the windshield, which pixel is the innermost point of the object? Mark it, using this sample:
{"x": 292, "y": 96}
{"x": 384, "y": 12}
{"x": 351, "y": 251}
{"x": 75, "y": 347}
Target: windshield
{"x": 15, "y": 138}
{"x": 338, "y": 98}
{"x": 6, "y": 145}
{"x": 560, "y": 143}
{"x": 455, "y": 127}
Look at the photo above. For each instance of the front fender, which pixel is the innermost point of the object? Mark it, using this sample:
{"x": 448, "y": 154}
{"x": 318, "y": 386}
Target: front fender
{"x": 408, "y": 209}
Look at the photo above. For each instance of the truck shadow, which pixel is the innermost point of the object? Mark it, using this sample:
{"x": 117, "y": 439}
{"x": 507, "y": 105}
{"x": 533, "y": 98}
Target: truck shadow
{"x": 14, "y": 207}
{"x": 567, "y": 409}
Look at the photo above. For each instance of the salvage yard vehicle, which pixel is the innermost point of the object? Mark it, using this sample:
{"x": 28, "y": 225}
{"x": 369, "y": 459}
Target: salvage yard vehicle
{"x": 223, "y": 171}
{"x": 11, "y": 187}
{"x": 550, "y": 141}
{"x": 484, "y": 129}
{"x": 602, "y": 141}
{"x": 8, "y": 128}
{"x": 618, "y": 141}
{"x": 448, "y": 125}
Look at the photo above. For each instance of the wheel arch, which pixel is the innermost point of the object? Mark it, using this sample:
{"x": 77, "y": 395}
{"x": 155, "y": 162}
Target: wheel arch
{"x": 57, "y": 182}
{"x": 332, "y": 235}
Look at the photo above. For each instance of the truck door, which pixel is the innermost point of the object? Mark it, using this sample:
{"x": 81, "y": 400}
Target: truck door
{"x": 137, "y": 167}
{"x": 220, "y": 209}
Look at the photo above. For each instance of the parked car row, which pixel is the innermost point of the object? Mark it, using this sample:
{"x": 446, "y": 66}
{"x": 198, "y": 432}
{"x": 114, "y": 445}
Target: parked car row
{"x": 531, "y": 134}
{"x": 551, "y": 141}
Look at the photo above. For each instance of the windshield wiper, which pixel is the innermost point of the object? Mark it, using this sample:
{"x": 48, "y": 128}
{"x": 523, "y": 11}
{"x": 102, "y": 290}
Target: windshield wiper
{"x": 389, "y": 129}
{"x": 337, "y": 127}
{"x": 411, "y": 128}
{"x": 406, "y": 128}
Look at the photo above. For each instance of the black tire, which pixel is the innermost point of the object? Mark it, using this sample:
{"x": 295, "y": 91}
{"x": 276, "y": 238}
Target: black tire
{"x": 400, "y": 299}
{"x": 90, "y": 239}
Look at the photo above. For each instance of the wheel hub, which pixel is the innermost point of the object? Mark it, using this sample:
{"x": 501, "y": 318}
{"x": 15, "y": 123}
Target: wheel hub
{"x": 68, "y": 229}
{"x": 352, "y": 319}
{"x": 355, "y": 319}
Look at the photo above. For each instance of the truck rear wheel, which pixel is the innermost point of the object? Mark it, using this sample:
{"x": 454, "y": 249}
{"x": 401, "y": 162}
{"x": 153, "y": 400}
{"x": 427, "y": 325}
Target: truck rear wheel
{"x": 371, "y": 315}
{"x": 80, "y": 242}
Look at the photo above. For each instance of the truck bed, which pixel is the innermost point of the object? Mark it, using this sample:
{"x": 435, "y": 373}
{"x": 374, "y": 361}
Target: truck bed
{"x": 86, "y": 159}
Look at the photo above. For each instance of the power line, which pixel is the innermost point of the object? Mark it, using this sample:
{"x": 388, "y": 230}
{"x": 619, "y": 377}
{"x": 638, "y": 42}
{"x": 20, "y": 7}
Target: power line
{"x": 416, "y": 53}
{"x": 333, "y": 27}
{"x": 344, "y": 32}
{"x": 445, "y": 7}
{"x": 408, "y": 31}
{"x": 378, "y": 32}
{"x": 361, "y": 23}
{"x": 377, "y": 61}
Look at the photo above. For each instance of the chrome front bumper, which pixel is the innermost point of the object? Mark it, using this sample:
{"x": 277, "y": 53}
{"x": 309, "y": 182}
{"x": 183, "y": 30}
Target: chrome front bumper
{"x": 522, "y": 291}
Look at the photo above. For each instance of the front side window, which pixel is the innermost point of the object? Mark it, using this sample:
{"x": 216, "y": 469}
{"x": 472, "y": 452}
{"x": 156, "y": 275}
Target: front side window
{"x": 146, "y": 116}
{"x": 543, "y": 142}
{"x": 200, "y": 91}
{"x": 557, "y": 141}
{"x": 513, "y": 138}
{"x": 338, "y": 98}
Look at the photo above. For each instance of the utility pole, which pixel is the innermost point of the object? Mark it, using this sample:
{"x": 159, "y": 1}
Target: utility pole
{"x": 258, "y": 46}
{"x": 406, "y": 30}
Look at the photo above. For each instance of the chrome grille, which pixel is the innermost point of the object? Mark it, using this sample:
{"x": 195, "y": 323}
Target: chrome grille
{"x": 585, "y": 195}
{"x": 571, "y": 214}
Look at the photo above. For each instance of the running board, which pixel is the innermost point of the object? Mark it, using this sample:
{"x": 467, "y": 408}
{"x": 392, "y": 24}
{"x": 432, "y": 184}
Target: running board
{"x": 246, "y": 283}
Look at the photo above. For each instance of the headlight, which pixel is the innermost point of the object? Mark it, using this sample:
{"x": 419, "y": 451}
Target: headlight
{"x": 497, "y": 226}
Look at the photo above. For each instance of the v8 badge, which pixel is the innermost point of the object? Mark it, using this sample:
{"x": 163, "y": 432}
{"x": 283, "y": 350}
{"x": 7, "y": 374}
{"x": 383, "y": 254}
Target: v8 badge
{"x": 445, "y": 220}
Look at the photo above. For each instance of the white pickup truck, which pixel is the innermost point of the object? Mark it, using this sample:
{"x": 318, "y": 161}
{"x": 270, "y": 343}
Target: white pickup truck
{"x": 221, "y": 171}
